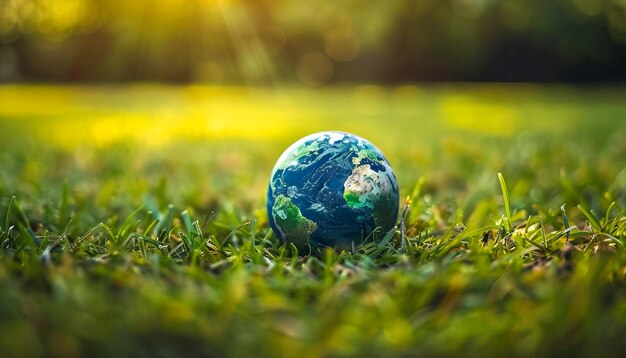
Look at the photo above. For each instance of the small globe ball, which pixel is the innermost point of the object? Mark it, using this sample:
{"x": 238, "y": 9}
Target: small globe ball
{"x": 331, "y": 189}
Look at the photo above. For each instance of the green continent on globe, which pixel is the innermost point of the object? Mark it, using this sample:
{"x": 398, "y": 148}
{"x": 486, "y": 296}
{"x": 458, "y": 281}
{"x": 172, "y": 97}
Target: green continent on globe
{"x": 365, "y": 187}
{"x": 294, "y": 227}
{"x": 291, "y": 158}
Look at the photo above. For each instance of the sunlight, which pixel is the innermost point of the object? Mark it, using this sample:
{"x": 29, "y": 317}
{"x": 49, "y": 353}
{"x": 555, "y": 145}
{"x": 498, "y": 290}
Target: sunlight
{"x": 70, "y": 117}
{"x": 461, "y": 112}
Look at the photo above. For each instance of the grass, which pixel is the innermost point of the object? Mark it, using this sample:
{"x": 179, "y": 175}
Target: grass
{"x": 132, "y": 222}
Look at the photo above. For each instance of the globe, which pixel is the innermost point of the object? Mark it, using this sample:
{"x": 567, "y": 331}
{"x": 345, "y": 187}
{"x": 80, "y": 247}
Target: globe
{"x": 331, "y": 189}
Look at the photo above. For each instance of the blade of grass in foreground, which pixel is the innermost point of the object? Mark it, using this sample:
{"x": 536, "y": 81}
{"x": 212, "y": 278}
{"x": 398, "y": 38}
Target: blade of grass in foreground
{"x": 593, "y": 219}
{"x": 505, "y": 198}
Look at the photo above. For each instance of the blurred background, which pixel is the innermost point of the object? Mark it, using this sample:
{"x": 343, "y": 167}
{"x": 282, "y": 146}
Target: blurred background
{"x": 263, "y": 42}
{"x": 207, "y": 94}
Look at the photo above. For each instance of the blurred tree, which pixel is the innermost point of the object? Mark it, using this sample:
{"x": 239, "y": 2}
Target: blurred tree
{"x": 260, "y": 42}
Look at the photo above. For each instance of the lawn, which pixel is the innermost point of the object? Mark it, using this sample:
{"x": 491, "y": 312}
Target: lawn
{"x": 133, "y": 223}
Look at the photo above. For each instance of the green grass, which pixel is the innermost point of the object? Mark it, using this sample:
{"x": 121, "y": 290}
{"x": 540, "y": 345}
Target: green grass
{"x": 132, "y": 222}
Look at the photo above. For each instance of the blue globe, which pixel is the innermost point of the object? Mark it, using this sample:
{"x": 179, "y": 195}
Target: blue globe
{"x": 331, "y": 189}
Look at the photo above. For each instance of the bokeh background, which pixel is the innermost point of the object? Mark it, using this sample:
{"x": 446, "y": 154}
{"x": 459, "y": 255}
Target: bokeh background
{"x": 265, "y": 42}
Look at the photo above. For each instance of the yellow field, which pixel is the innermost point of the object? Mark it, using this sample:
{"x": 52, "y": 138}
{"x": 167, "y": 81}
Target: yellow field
{"x": 155, "y": 115}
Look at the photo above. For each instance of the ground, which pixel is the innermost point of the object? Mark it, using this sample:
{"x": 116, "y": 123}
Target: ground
{"x": 132, "y": 222}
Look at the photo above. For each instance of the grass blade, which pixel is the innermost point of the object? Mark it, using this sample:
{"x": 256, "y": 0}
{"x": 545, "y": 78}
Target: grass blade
{"x": 593, "y": 219}
{"x": 8, "y": 217}
{"x": 505, "y": 198}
